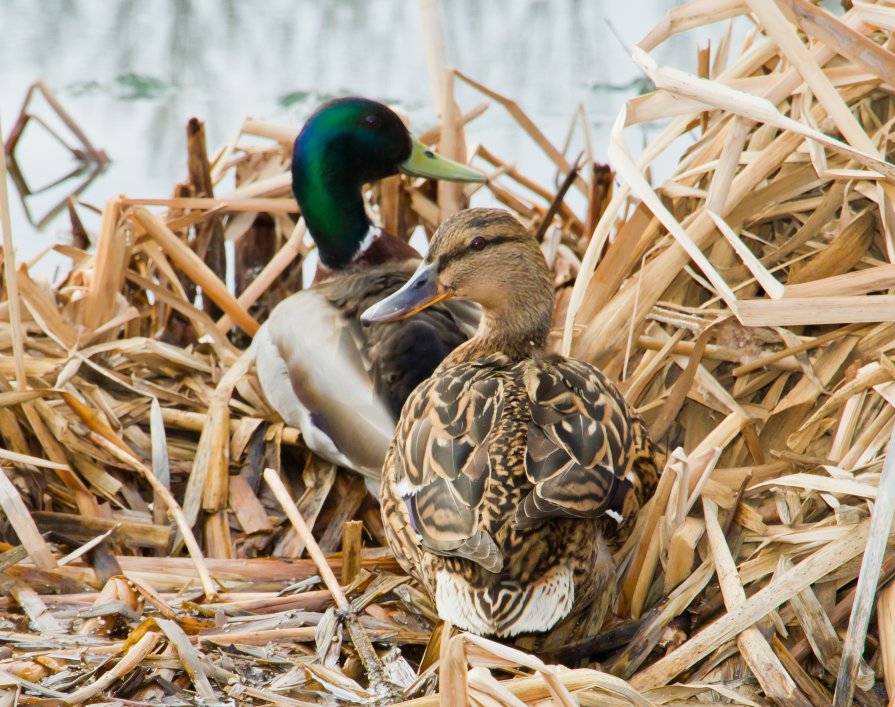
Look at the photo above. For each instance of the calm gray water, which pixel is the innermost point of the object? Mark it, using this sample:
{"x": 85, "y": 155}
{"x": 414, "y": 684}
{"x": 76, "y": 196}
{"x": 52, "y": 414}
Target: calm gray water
{"x": 133, "y": 72}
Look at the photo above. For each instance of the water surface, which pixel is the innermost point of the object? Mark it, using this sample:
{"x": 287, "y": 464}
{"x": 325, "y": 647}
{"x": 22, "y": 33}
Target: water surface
{"x": 132, "y": 73}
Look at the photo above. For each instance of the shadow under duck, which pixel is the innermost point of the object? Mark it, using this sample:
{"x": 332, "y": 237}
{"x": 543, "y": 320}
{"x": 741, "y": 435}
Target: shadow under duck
{"x": 511, "y": 466}
{"x": 343, "y": 383}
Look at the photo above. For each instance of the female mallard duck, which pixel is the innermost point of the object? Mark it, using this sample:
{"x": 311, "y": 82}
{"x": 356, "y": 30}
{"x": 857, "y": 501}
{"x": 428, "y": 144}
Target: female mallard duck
{"x": 509, "y": 464}
{"x": 341, "y": 383}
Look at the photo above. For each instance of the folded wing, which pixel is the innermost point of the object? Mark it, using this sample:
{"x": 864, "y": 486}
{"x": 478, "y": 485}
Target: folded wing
{"x": 442, "y": 462}
{"x": 314, "y": 375}
{"x": 588, "y": 454}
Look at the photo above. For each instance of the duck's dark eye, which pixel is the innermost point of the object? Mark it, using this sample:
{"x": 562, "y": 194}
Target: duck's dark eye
{"x": 372, "y": 120}
{"x": 477, "y": 243}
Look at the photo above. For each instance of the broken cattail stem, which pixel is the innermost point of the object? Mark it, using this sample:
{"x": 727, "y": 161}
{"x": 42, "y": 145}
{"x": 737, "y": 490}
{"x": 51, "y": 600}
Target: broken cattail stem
{"x": 352, "y": 545}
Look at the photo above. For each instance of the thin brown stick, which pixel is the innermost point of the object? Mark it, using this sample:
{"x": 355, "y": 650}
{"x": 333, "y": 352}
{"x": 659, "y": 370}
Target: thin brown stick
{"x": 361, "y": 641}
{"x": 792, "y": 350}
{"x": 198, "y": 271}
{"x": 9, "y": 276}
{"x": 98, "y": 156}
{"x": 352, "y": 545}
{"x": 196, "y": 421}
{"x": 264, "y": 205}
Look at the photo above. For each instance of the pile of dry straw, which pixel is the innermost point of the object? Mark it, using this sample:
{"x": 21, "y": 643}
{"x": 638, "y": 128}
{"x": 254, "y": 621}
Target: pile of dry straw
{"x": 742, "y": 305}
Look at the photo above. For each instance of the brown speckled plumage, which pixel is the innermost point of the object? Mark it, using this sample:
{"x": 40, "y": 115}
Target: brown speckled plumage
{"x": 511, "y": 465}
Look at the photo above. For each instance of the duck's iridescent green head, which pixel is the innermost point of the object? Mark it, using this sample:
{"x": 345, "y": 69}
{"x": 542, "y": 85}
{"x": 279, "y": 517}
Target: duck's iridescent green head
{"x": 345, "y": 144}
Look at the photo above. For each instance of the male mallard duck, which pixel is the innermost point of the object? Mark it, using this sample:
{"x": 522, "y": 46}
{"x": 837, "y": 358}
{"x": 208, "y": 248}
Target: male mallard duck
{"x": 340, "y": 382}
{"x": 509, "y": 464}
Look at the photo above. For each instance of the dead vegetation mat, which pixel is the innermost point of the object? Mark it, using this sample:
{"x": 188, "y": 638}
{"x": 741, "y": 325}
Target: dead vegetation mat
{"x": 169, "y": 541}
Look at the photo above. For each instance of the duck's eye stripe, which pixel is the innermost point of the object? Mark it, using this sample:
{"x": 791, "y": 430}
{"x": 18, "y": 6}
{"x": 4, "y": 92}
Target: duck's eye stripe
{"x": 504, "y": 239}
{"x": 458, "y": 253}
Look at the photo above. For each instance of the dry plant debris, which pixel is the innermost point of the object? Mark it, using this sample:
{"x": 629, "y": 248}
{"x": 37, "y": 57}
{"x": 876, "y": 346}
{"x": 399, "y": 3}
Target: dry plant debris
{"x": 744, "y": 305}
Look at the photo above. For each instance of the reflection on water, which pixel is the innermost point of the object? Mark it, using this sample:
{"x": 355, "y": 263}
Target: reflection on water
{"x": 132, "y": 73}
{"x": 89, "y": 161}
